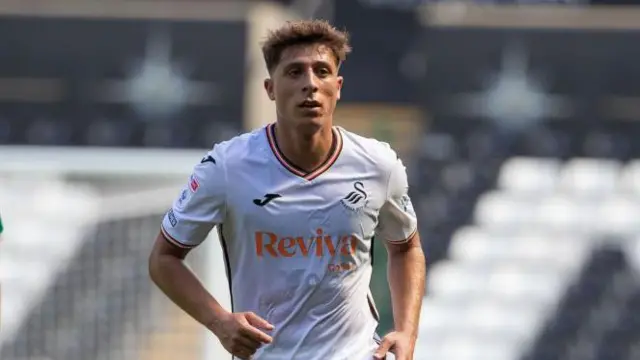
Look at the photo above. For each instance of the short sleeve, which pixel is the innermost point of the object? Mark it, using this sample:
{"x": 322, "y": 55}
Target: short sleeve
{"x": 397, "y": 221}
{"x": 200, "y": 205}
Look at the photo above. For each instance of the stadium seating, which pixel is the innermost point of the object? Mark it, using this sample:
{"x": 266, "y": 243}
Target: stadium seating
{"x": 543, "y": 268}
{"x": 454, "y": 165}
{"x": 591, "y": 313}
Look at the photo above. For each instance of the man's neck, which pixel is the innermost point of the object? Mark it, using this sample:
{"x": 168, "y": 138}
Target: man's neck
{"x": 307, "y": 151}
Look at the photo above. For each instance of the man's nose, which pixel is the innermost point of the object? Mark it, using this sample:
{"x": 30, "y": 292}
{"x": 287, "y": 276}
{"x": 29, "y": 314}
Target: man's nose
{"x": 309, "y": 82}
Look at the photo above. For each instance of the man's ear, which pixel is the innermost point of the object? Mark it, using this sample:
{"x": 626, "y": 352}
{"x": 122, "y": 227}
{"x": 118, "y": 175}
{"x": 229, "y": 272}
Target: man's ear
{"x": 340, "y": 83}
{"x": 268, "y": 87}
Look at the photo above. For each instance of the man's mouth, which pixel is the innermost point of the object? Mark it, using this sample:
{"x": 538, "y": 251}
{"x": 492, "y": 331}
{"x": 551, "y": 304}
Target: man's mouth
{"x": 310, "y": 104}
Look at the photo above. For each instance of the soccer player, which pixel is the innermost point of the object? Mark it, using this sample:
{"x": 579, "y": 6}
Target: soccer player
{"x": 297, "y": 205}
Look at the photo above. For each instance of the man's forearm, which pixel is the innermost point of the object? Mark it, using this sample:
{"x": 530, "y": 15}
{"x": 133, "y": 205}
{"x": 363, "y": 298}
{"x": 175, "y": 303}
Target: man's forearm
{"x": 182, "y": 286}
{"x": 406, "y": 272}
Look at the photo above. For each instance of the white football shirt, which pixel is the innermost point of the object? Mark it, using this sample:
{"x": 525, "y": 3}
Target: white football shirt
{"x": 298, "y": 245}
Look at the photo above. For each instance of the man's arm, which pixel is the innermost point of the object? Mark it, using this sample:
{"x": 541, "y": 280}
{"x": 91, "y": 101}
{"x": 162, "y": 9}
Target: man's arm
{"x": 200, "y": 206}
{"x": 397, "y": 224}
{"x": 406, "y": 272}
{"x": 241, "y": 334}
{"x": 170, "y": 273}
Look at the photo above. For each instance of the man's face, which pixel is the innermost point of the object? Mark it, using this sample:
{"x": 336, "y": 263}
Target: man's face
{"x": 305, "y": 85}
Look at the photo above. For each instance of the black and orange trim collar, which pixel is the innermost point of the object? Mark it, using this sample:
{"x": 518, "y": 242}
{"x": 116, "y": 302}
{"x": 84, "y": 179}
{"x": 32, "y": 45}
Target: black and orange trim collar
{"x": 334, "y": 152}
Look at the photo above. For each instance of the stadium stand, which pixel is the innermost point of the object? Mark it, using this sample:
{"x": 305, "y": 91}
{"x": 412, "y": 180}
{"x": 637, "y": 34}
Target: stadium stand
{"x": 543, "y": 266}
{"x": 591, "y": 314}
{"x": 454, "y": 164}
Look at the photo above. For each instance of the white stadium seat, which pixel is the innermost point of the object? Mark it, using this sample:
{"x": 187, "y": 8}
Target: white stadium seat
{"x": 472, "y": 244}
{"x": 451, "y": 280}
{"x": 629, "y": 180}
{"x": 533, "y": 287}
{"x": 490, "y": 318}
{"x": 439, "y": 316}
{"x": 502, "y": 211}
{"x": 529, "y": 176}
{"x": 523, "y": 288}
{"x": 618, "y": 215}
{"x": 590, "y": 178}
{"x": 554, "y": 250}
{"x": 473, "y": 346}
{"x": 564, "y": 214}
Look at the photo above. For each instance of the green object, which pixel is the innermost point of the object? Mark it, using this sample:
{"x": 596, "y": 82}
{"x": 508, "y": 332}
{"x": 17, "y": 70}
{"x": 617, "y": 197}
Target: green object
{"x": 383, "y": 130}
{"x": 1, "y": 227}
{"x": 380, "y": 288}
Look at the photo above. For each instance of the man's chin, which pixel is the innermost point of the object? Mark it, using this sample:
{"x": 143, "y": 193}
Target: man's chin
{"x": 311, "y": 113}
{"x": 311, "y": 118}
{"x": 311, "y": 124}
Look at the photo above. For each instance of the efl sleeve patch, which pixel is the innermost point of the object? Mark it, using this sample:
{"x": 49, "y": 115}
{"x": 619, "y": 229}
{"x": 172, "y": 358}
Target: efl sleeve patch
{"x": 199, "y": 206}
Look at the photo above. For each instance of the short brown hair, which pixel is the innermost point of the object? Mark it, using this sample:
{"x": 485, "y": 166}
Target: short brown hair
{"x": 303, "y": 32}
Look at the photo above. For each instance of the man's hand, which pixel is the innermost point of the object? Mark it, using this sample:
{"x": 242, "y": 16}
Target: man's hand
{"x": 400, "y": 344}
{"x": 241, "y": 333}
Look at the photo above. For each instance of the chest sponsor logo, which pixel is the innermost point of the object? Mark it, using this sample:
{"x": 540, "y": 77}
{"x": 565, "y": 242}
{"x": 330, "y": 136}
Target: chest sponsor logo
{"x": 273, "y": 245}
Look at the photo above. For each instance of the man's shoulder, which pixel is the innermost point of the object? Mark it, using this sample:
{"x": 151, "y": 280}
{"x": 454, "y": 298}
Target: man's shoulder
{"x": 379, "y": 151}
{"x": 238, "y": 146}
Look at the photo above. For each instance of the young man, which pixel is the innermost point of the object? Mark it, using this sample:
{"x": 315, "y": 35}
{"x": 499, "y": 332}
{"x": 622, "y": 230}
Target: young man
{"x": 297, "y": 205}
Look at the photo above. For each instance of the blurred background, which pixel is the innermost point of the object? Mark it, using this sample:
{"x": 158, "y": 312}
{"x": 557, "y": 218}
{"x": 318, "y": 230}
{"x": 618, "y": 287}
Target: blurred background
{"x": 517, "y": 120}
